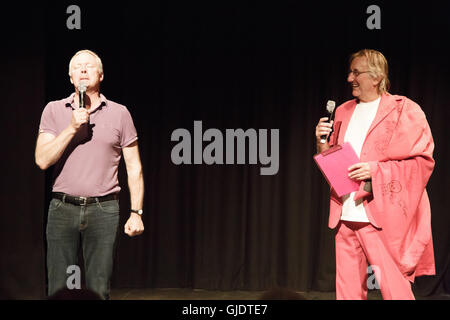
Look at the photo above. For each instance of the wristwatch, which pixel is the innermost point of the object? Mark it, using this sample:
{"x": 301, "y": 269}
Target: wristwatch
{"x": 139, "y": 212}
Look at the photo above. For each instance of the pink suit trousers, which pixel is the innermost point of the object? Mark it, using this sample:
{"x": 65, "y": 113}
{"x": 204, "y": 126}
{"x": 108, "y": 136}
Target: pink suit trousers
{"x": 358, "y": 245}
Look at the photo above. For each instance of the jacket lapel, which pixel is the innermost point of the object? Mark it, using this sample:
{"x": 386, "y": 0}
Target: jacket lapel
{"x": 385, "y": 107}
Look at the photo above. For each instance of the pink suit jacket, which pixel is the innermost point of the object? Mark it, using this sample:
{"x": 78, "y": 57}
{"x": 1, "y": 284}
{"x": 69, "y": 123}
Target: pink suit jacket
{"x": 399, "y": 149}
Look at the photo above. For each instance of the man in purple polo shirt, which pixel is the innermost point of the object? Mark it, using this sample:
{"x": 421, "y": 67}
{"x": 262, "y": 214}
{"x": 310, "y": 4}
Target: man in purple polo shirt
{"x": 85, "y": 146}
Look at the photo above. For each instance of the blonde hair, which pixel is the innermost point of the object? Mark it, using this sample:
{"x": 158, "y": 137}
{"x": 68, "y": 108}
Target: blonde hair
{"x": 378, "y": 67}
{"x": 97, "y": 59}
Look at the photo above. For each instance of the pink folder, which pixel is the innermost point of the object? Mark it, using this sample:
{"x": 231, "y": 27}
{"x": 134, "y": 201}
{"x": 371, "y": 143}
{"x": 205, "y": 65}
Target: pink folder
{"x": 334, "y": 164}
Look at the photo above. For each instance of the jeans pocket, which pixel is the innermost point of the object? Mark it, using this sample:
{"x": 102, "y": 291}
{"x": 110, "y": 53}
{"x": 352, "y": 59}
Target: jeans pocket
{"x": 54, "y": 204}
{"x": 111, "y": 206}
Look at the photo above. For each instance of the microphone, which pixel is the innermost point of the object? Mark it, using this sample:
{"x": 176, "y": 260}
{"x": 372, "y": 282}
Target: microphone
{"x": 82, "y": 92}
{"x": 331, "y": 105}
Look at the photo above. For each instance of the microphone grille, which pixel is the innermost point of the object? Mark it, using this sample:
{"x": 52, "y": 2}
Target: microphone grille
{"x": 82, "y": 86}
{"x": 330, "y": 106}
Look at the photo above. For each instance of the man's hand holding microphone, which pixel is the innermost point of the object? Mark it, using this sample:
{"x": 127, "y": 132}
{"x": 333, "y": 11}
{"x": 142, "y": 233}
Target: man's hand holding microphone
{"x": 80, "y": 116}
{"x": 323, "y": 130}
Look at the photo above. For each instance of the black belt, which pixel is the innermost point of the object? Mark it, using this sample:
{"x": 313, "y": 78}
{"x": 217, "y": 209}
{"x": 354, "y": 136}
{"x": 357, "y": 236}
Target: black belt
{"x": 82, "y": 201}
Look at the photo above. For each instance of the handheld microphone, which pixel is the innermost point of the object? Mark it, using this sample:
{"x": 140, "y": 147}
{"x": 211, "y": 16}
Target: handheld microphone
{"x": 82, "y": 92}
{"x": 331, "y": 105}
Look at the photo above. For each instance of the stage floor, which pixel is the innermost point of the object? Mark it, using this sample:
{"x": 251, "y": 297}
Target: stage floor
{"x": 199, "y": 294}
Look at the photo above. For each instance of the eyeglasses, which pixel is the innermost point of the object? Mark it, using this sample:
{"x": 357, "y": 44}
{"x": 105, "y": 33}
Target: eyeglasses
{"x": 356, "y": 73}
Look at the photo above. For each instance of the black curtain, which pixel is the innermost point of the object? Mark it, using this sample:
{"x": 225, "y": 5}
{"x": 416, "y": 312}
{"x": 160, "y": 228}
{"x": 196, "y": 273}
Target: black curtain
{"x": 22, "y": 88}
{"x": 230, "y": 65}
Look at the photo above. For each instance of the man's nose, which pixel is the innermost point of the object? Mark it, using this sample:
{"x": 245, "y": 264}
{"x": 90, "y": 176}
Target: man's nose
{"x": 350, "y": 77}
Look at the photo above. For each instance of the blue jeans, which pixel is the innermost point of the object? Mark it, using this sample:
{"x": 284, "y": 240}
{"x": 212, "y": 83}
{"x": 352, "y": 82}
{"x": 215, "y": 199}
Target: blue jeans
{"x": 96, "y": 226}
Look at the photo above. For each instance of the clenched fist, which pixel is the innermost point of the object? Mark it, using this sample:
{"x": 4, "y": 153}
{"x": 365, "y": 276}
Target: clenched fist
{"x": 80, "y": 116}
{"x": 134, "y": 225}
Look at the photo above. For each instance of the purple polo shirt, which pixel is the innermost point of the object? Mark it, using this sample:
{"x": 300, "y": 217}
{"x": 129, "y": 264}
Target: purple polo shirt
{"x": 89, "y": 165}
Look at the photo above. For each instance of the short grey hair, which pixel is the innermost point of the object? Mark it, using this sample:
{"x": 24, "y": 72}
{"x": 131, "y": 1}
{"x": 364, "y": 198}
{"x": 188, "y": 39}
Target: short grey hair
{"x": 97, "y": 58}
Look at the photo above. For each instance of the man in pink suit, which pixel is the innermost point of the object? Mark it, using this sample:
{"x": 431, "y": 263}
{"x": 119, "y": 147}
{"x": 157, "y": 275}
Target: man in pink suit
{"x": 386, "y": 223}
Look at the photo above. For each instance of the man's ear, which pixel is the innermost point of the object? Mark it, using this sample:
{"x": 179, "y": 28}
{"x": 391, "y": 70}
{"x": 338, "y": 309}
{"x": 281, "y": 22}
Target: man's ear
{"x": 101, "y": 77}
{"x": 71, "y": 81}
{"x": 376, "y": 81}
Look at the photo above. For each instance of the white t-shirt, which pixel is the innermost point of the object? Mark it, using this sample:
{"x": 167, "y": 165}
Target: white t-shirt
{"x": 360, "y": 123}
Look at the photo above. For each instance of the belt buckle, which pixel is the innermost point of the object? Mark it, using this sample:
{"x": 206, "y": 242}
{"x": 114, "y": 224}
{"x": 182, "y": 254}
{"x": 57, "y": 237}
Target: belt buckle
{"x": 84, "y": 201}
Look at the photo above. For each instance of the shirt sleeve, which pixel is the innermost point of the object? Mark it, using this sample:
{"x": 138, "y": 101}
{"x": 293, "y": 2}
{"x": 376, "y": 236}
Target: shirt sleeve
{"x": 48, "y": 123}
{"x": 128, "y": 134}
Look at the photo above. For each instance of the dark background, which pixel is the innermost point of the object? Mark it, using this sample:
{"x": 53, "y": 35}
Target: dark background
{"x": 232, "y": 65}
